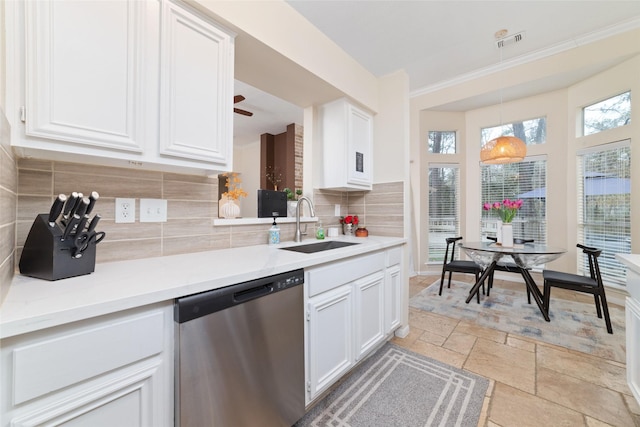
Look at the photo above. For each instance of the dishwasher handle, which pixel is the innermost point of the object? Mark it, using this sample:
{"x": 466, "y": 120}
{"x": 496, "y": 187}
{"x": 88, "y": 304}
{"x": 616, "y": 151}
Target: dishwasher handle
{"x": 249, "y": 294}
{"x": 198, "y": 305}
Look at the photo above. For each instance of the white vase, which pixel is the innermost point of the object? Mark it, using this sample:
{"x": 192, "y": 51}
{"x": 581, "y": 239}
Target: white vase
{"x": 499, "y": 232}
{"x": 291, "y": 208}
{"x": 507, "y": 235}
{"x": 227, "y": 208}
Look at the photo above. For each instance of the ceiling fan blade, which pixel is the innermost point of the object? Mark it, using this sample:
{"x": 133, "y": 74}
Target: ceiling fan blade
{"x": 243, "y": 112}
{"x": 238, "y": 98}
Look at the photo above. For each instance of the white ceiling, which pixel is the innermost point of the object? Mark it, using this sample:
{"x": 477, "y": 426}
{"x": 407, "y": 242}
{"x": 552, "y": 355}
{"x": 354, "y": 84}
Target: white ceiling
{"x": 440, "y": 41}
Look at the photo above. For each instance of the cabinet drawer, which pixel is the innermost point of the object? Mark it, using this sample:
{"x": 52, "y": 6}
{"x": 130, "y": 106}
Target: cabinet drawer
{"x": 74, "y": 356}
{"x": 325, "y": 278}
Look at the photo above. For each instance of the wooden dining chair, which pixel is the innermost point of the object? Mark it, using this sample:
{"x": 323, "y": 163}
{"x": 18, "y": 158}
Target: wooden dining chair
{"x": 508, "y": 267}
{"x": 591, "y": 284}
{"x": 452, "y": 265}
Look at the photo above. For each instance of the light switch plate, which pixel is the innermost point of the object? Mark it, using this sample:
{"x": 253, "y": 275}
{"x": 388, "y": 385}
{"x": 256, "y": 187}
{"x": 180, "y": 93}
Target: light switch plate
{"x": 153, "y": 210}
{"x": 337, "y": 208}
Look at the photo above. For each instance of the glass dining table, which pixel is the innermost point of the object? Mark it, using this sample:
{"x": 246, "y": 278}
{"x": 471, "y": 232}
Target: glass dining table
{"x": 525, "y": 256}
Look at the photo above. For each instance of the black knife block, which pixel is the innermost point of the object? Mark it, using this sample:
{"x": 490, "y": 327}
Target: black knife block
{"x": 47, "y": 256}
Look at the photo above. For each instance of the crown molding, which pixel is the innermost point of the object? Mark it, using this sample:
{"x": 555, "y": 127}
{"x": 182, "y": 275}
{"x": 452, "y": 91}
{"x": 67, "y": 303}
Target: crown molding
{"x": 583, "y": 40}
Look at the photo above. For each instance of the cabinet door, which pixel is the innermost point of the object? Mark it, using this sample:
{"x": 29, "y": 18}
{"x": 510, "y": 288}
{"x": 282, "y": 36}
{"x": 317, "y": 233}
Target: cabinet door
{"x": 83, "y": 61}
{"x": 196, "y": 95}
{"x": 393, "y": 298}
{"x": 359, "y": 146}
{"x": 114, "y": 370}
{"x": 330, "y": 338}
{"x": 369, "y": 309}
{"x": 633, "y": 346}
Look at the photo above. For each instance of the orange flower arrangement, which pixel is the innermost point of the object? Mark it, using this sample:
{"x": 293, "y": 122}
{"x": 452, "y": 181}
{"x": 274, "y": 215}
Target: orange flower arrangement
{"x": 233, "y": 186}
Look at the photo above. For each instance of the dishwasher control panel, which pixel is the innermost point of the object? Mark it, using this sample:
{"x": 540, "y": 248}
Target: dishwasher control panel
{"x": 290, "y": 281}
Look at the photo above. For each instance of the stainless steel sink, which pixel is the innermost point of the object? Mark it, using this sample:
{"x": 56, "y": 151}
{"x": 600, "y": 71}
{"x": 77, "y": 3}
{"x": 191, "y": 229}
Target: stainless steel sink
{"x": 319, "y": 247}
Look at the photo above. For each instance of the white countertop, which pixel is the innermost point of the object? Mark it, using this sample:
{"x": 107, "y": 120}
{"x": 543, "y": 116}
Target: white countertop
{"x": 632, "y": 261}
{"x": 34, "y": 304}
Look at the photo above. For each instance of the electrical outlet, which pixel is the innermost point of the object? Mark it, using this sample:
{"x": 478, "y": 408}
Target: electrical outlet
{"x": 125, "y": 210}
{"x": 153, "y": 210}
{"x": 337, "y": 212}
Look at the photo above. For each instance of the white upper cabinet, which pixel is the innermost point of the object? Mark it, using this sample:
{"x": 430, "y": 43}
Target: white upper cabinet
{"x": 82, "y": 62}
{"x": 346, "y": 138}
{"x": 196, "y": 87}
{"x": 122, "y": 83}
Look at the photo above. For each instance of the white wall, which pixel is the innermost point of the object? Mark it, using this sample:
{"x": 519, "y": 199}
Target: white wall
{"x": 246, "y": 159}
{"x": 562, "y": 108}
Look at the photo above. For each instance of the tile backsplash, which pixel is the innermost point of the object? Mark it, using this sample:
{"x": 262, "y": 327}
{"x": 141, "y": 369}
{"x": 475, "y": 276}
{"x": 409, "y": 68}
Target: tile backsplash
{"x": 191, "y": 206}
{"x": 8, "y": 202}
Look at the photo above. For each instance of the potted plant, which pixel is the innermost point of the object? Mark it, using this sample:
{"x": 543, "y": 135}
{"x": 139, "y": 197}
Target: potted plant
{"x": 292, "y": 200}
{"x": 228, "y": 206}
{"x": 506, "y": 210}
{"x": 349, "y": 224}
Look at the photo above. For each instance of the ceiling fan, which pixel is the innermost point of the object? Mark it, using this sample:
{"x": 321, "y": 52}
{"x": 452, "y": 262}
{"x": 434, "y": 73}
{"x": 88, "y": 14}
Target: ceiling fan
{"x": 240, "y": 98}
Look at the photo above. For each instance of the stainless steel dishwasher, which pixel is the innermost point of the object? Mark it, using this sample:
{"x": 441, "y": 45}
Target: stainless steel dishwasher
{"x": 240, "y": 354}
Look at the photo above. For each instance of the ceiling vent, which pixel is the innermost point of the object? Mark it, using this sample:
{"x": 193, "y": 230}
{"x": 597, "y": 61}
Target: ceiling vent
{"x": 509, "y": 40}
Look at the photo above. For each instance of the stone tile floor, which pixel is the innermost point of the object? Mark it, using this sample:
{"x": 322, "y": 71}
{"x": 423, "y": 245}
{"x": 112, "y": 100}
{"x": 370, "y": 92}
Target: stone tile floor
{"x": 532, "y": 383}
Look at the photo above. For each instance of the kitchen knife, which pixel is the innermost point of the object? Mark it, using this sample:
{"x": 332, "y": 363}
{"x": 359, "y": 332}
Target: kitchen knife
{"x": 75, "y": 207}
{"x": 93, "y": 223}
{"x": 82, "y": 224}
{"x": 82, "y": 206}
{"x": 71, "y": 203}
{"x": 56, "y": 209}
{"x": 92, "y": 201}
{"x": 73, "y": 221}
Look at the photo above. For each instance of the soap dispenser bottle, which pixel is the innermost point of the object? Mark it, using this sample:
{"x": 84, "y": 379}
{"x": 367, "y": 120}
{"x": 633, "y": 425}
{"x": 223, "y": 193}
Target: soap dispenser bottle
{"x": 274, "y": 233}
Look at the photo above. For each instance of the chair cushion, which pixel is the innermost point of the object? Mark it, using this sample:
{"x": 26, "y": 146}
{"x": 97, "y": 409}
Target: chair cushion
{"x": 462, "y": 266}
{"x": 568, "y": 279}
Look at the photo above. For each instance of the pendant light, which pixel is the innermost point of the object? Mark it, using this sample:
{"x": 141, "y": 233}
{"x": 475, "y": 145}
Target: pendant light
{"x": 503, "y": 149}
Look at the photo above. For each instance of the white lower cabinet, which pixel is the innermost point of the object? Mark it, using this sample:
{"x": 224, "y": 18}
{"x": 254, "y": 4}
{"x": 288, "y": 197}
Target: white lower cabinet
{"x": 114, "y": 370}
{"x": 393, "y": 297}
{"x": 351, "y": 309}
{"x": 331, "y": 355}
{"x": 632, "y": 325}
{"x": 369, "y": 319}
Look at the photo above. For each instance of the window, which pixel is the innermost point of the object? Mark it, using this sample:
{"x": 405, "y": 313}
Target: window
{"x": 525, "y": 180}
{"x": 442, "y": 142}
{"x": 444, "y": 217}
{"x": 604, "y": 207}
{"x": 532, "y": 131}
{"x": 608, "y": 114}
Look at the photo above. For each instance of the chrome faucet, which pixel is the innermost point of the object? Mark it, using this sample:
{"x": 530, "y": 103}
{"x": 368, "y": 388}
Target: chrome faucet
{"x": 299, "y": 234}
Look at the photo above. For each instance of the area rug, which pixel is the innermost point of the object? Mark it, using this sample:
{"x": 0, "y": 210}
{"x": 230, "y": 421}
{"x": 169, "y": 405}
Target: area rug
{"x": 574, "y": 325}
{"x": 396, "y": 387}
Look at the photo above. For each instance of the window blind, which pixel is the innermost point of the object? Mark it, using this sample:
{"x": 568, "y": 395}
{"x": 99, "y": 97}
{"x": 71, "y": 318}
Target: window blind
{"x": 524, "y": 180}
{"x": 604, "y": 207}
{"x": 444, "y": 215}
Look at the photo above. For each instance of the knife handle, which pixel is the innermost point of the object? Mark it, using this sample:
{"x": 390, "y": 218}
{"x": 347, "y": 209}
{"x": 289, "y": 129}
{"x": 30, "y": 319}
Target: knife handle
{"x": 81, "y": 208}
{"x": 70, "y": 226}
{"x": 92, "y": 201}
{"x": 71, "y": 203}
{"x": 56, "y": 209}
{"x": 82, "y": 224}
{"x": 93, "y": 223}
